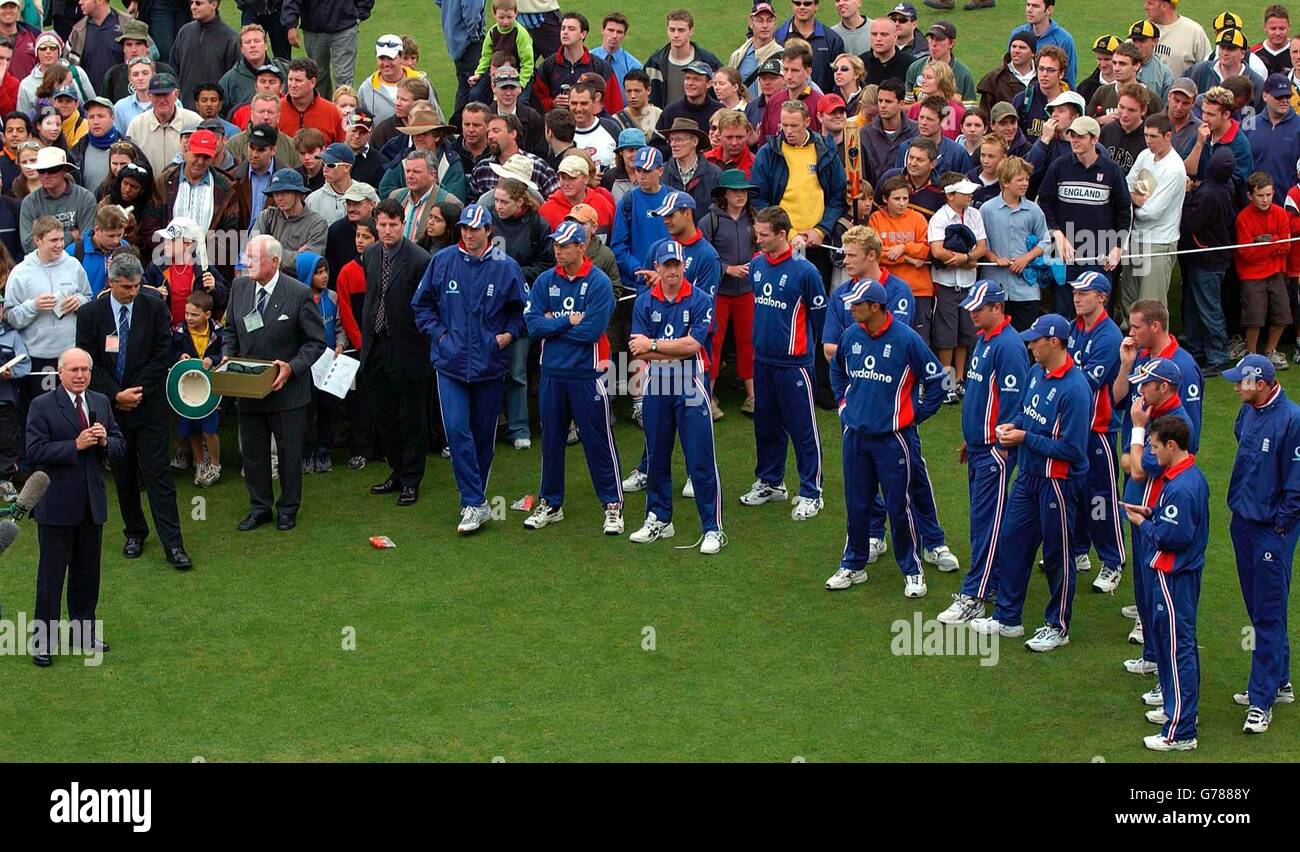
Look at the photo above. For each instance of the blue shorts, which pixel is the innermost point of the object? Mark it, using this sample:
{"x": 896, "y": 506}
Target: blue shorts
{"x": 192, "y": 428}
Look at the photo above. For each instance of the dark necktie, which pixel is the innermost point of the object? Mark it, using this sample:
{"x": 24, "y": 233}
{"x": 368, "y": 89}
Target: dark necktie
{"x": 381, "y": 313}
{"x": 261, "y": 300}
{"x": 123, "y": 335}
{"x": 81, "y": 414}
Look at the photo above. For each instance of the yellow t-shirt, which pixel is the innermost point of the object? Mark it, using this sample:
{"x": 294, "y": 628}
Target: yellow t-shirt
{"x": 802, "y": 198}
{"x": 200, "y": 340}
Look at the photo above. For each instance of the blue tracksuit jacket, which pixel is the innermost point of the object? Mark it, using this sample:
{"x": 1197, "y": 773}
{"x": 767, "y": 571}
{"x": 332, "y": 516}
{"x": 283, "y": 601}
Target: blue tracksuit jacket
{"x": 839, "y": 316}
{"x": 995, "y": 377}
{"x": 878, "y": 378}
{"x": 788, "y": 290}
{"x": 701, "y": 265}
{"x": 1096, "y": 351}
{"x": 1189, "y": 391}
{"x": 1265, "y": 484}
{"x": 1055, "y": 417}
{"x": 571, "y": 351}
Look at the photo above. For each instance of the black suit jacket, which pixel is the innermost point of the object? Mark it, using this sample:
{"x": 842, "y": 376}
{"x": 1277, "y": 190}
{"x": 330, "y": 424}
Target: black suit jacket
{"x": 148, "y": 354}
{"x": 76, "y": 476}
{"x": 413, "y": 346}
{"x": 292, "y": 330}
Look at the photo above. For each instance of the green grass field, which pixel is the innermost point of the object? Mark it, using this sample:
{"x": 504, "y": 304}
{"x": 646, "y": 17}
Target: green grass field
{"x": 530, "y": 646}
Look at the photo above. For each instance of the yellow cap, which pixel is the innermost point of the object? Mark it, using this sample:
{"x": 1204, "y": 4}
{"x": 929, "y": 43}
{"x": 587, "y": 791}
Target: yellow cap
{"x": 1106, "y": 44}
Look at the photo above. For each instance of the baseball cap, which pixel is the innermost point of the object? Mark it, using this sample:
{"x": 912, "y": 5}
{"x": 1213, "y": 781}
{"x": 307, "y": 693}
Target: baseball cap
{"x": 647, "y": 159}
{"x": 1143, "y": 29}
{"x": 573, "y": 166}
{"x": 161, "y": 84}
{"x": 866, "y": 290}
{"x": 569, "y": 233}
{"x": 66, "y": 92}
{"x": 585, "y": 215}
{"x": 760, "y": 8}
{"x": 475, "y": 216}
{"x": 904, "y": 10}
{"x": 830, "y": 103}
{"x": 361, "y": 118}
{"x": 942, "y": 29}
{"x": 182, "y": 227}
{"x": 1251, "y": 367}
{"x": 1159, "y": 369}
{"x": 1048, "y": 325}
{"x": 361, "y": 191}
{"x": 388, "y": 46}
{"x": 1072, "y": 98}
{"x": 203, "y": 142}
{"x": 1278, "y": 86}
{"x": 269, "y": 68}
{"x": 1227, "y": 21}
{"x": 770, "y": 66}
{"x": 286, "y": 180}
{"x": 669, "y": 251}
{"x": 1105, "y": 44}
{"x": 97, "y": 101}
{"x": 674, "y": 201}
{"x": 213, "y": 124}
{"x": 506, "y": 76}
{"x": 1232, "y": 38}
{"x": 1085, "y": 126}
{"x": 1091, "y": 282}
{"x": 698, "y": 67}
{"x": 1001, "y": 110}
{"x": 336, "y": 153}
{"x": 1186, "y": 85}
{"x": 966, "y": 186}
{"x": 983, "y": 293}
{"x": 262, "y": 136}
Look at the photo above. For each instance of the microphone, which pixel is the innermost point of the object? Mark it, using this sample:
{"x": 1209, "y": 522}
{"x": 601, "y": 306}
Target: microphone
{"x": 8, "y": 534}
{"x": 33, "y": 490}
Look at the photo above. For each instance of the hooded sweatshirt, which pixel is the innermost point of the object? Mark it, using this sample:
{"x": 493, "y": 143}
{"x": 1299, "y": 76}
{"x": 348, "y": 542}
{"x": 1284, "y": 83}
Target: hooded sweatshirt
{"x": 75, "y": 209}
{"x": 45, "y": 334}
{"x": 326, "y": 300}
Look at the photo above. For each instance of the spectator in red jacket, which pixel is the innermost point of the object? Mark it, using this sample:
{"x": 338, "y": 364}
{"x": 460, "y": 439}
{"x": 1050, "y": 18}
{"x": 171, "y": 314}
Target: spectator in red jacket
{"x": 1262, "y": 268}
{"x": 304, "y": 107}
{"x": 8, "y": 82}
{"x": 575, "y": 173}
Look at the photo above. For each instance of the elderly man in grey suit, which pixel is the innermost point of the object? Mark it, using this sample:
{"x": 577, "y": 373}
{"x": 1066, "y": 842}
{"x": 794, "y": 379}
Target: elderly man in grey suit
{"x": 273, "y": 317}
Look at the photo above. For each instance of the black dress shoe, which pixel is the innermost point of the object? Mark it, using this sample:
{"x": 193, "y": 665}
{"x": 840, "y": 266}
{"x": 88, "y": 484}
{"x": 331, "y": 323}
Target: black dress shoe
{"x": 408, "y": 496}
{"x": 43, "y": 660}
{"x": 388, "y": 486}
{"x": 179, "y": 559}
{"x": 133, "y": 548}
{"x": 254, "y": 520}
{"x": 286, "y": 522}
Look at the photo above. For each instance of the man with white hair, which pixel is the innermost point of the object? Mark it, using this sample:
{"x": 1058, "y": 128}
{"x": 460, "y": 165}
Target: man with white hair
{"x": 273, "y": 317}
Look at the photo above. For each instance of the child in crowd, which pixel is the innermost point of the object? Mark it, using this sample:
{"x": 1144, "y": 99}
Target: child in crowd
{"x": 1262, "y": 268}
{"x": 199, "y": 337}
{"x": 410, "y": 57}
{"x": 957, "y": 242}
{"x": 506, "y": 35}
{"x": 906, "y": 252}
{"x": 351, "y": 289}
{"x": 313, "y": 270}
{"x": 310, "y": 144}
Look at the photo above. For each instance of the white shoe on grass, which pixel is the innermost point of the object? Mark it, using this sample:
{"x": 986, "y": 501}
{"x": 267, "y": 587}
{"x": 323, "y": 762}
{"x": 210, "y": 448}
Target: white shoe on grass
{"x": 1047, "y": 638}
{"x": 653, "y": 530}
{"x": 1082, "y": 564}
{"x": 543, "y": 515}
{"x": 1139, "y": 666}
{"x": 760, "y": 492}
{"x": 1154, "y": 698}
{"x": 845, "y": 577}
{"x": 914, "y": 585}
{"x": 635, "y": 481}
{"x": 1135, "y": 636}
{"x": 1155, "y": 742}
{"x": 988, "y": 626}
{"x": 876, "y": 549}
{"x": 613, "y": 519}
{"x": 714, "y": 540}
{"x": 1107, "y": 579}
{"x": 1130, "y": 611}
{"x": 942, "y": 558}
{"x": 963, "y": 608}
{"x": 806, "y": 507}
{"x": 1257, "y": 720}
{"x": 473, "y": 517}
{"x": 1157, "y": 716}
{"x": 1285, "y": 695}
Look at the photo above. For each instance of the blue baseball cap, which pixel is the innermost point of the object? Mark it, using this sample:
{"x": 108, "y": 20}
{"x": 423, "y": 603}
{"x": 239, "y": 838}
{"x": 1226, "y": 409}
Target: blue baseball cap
{"x": 286, "y": 180}
{"x": 338, "y": 153}
{"x": 475, "y": 216}
{"x": 631, "y": 137}
{"x": 1160, "y": 370}
{"x": 1091, "y": 281}
{"x": 569, "y": 233}
{"x": 1251, "y": 367}
{"x": 983, "y": 293}
{"x": 1048, "y": 325}
{"x": 674, "y": 201}
{"x": 647, "y": 159}
{"x": 866, "y": 290}
{"x": 669, "y": 251}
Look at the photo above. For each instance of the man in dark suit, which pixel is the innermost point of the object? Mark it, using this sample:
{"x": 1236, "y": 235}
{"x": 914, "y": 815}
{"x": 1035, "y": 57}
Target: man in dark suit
{"x": 395, "y": 354}
{"x": 128, "y": 336}
{"x": 273, "y": 317}
{"x": 70, "y": 432}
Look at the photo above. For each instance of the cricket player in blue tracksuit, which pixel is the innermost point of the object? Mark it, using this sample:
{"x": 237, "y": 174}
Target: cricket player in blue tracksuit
{"x": 568, "y": 310}
{"x": 1156, "y": 383}
{"x": 1094, "y": 345}
{"x": 788, "y": 292}
{"x": 879, "y": 368}
{"x": 671, "y": 325}
{"x": 995, "y": 378}
{"x": 1051, "y": 431}
{"x": 1264, "y": 496}
{"x": 471, "y": 304}
{"x": 1175, "y": 531}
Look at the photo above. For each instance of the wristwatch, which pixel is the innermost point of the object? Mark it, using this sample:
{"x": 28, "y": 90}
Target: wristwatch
{"x": 654, "y": 345}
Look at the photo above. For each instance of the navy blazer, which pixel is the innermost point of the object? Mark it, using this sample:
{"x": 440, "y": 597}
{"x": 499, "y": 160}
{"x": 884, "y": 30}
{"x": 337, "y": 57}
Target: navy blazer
{"x": 76, "y": 477}
{"x": 148, "y": 353}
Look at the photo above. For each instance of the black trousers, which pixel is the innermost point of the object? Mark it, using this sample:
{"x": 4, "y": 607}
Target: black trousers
{"x": 821, "y": 257}
{"x": 546, "y": 38}
{"x": 74, "y": 552}
{"x": 361, "y": 428}
{"x": 465, "y": 67}
{"x": 146, "y": 457}
{"x": 319, "y": 434}
{"x": 255, "y": 431}
{"x": 10, "y": 439}
{"x": 399, "y": 409}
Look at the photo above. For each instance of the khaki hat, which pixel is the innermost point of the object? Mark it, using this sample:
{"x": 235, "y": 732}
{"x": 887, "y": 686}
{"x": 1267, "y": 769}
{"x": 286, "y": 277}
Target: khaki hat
{"x": 1001, "y": 110}
{"x": 519, "y": 167}
{"x": 572, "y": 166}
{"x": 423, "y": 118}
{"x": 1085, "y": 126}
{"x": 1144, "y": 182}
{"x": 361, "y": 191}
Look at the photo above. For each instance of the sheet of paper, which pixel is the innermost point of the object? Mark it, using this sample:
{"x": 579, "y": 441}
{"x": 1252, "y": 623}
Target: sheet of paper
{"x": 334, "y": 374}
{"x": 14, "y": 362}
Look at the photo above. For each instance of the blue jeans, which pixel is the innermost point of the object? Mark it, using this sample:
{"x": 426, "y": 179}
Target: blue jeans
{"x": 1204, "y": 328}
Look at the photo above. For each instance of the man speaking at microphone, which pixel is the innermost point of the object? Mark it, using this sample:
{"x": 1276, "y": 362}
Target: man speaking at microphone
{"x": 70, "y": 431}
{"x": 128, "y": 336}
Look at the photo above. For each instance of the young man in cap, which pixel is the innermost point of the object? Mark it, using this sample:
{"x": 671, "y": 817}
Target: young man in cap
{"x": 769, "y": 86}
{"x": 1052, "y": 431}
{"x": 1153, "y": 74}
{"x": 1013, "y": 76}
{"x": 575, "y": 188}
{"x": 671, "y": 326}
{"x": 90, "y": 155}
{"x": 636, "y": 230}
{"x": 158, "y": 132}
{"x": 879, "y": 367}
{"x": 886, "y": 60}
{"x": 268, "y": 80}
{"x": 359, "y": 203}
{"x": 367, "y": 162}
{"x": 58, "y": 196}
{"x": 758, "y": 48}
{"x": 377, "y": 94}
{"x": 1038, "y": 19}
{"x": 826, "y": 44}
{"x": 568, "y": 309}
{"x": 328, "y": 201}
{"x": 666, "y": 66}
{"x": 205, "y": 48}
{"x": 253, "y": 176}
{"x": 1184, "y": 123}
{"x": 942, "y": 38}
{"x": 505, "y": 101}
{"x": 288, "y": 219}
{"x": 1230, "y": 60}
{"x": 471, "y": 294}
{"x": 903, "y": 16}
{"x": 1103, "y": 48}
{"x": 239, "y": 83}
{"x": 1274, "y": 137}
{"x": 1125, "y": 63}
{"x": 995, "y": 380}
{"x": 1264, "y": 496}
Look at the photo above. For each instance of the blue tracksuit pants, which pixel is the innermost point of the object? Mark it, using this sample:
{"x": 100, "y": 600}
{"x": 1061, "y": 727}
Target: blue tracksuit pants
{"x": 469, "y": 418}
{"x": 1174, "y": 598}
{"x": 1264, "y": 571}
{"x": 783, "y": 410}
{"x": 927, "y": 514}
{"x": 667, "y": 416}
{"x": 1142, "y": 594}
{"x": 988, "y": 475}
{"x": 584, "y": 402}
{"x": 1041, "y": 511}
{"x": 880, "y": 463}
{"x": 1098, "y": 523}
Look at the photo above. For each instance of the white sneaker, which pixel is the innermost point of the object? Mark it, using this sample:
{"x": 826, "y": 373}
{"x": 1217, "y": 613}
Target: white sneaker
{"x": 1139, "y": 666}
{"x": 1107, "y": 579}
{"x": 844, "y": 578}
{"x": 760, "y": 492}
{"x": 473, "y": 517}
{"x": 636, "y": 481}
{"x": 1135, "y": 636}
{"x": 653, "y": 530}
{"x": 1236, "y": 348}
{"x": 181, "y": 459}
{"x": 914, "y": 585}
{"x": 1278, "y": 360}
{"x": 688, "y": 490}
{"x": 1285, "y": 695}
{"x": 714, "y": 540}
{"x": 200, "y": 471}
{"x": 988, "y": 626}
{"x": 523, "y": 443}
{"x": 638, "y": 414}
{"x": 1154, "y": 697}
{"x": 1155, "y": 742}
{"x": 1082, "y": 564}
{"x": 543, "y": 515}
{"x": 1130, "y": 611}
{"x": 1157, "y": 716}
{"x": 1047, "y": 638}
{"x": 1257, "y": 720}
{"x": 573, "y": 437}
{"x": 963, "y": 608}
{"x": 876, "y": 549}
{"x": 942, "y": 558}
{"x": 613, "y": 519}
{"x": 806, "y": 507}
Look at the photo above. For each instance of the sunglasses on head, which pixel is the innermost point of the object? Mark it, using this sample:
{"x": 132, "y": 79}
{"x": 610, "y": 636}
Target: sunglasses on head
{"x": 139, "y": 60}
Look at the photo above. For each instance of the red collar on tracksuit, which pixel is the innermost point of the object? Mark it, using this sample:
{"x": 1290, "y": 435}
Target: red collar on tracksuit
{"x": 989, "y": 335}
{"x": 1061, "y": 370}
{"x": 658, "y": 292}
{"x": 889, "y": 320}
{"x": 774, "y": 259}
{"x": 582, "y": 270}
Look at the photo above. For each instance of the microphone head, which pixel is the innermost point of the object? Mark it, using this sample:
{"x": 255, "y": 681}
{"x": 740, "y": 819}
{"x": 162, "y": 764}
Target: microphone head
{"x": 8, "y": 534}
{"x": 33, "y": 490}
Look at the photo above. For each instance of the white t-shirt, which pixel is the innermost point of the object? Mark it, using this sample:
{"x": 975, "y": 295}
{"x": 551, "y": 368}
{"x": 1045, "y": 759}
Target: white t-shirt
{"x": 597, "y": 142}
{"x": 947, "y": 275}
{"x": 1158, "y": 219}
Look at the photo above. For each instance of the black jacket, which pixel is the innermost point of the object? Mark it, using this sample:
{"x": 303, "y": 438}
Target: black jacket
{"x": 527, "y": 239}
{"x": 324, "y": 16}
{"x": 1209, "y": 214}
{"x": 9, "y": 209}
{"x": 148, "y": 354}
{"x": 413, "y": 347}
